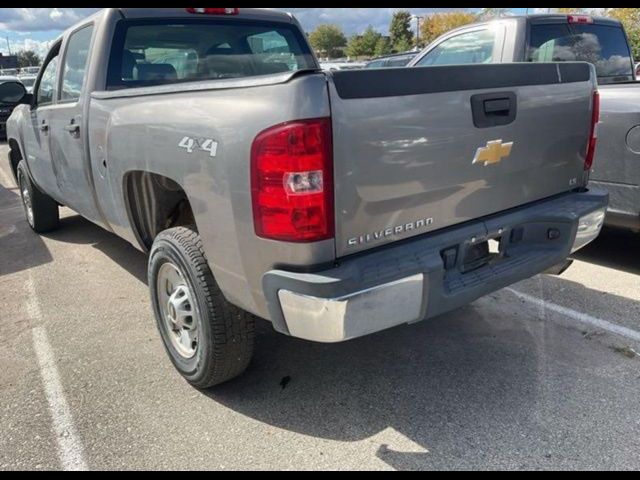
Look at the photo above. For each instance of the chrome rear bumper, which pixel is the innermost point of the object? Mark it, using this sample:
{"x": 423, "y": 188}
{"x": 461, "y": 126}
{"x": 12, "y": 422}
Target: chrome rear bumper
{"x": 337, "y": 319}
{"x": 589, "y": 227}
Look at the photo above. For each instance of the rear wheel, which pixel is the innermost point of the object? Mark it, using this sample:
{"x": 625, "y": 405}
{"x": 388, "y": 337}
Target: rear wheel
{"x": 208, "y": 340}
{"x": 39, "y": 208}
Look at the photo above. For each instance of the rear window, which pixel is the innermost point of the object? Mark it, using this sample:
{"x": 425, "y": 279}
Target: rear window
{"x": 602, "y": 45}
{"x": 172, "y": 51}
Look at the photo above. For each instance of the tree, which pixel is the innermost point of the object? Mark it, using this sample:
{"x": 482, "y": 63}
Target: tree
{"x": 365, "y": 44}
{"x": 400, "y": 31}
{"x": 403, "y": 45}
{"x": 354, "y": 46}
{"x": 630, "y": 18}
{"x": 634, "y": 40}
{"x": 439, "y": 23}
{"x": 28, "y": 58}
{"x": 383, "y": 47}
{"x": 370, "y": 39}
{"x": 327, "y": 40}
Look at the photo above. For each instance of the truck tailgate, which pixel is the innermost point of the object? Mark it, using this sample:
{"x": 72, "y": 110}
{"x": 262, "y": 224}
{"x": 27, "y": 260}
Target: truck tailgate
{"x": 420, "y": 149}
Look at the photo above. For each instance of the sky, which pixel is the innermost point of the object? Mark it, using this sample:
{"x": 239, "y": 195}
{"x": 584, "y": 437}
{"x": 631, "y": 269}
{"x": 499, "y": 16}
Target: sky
{"x": 34, "y": 28}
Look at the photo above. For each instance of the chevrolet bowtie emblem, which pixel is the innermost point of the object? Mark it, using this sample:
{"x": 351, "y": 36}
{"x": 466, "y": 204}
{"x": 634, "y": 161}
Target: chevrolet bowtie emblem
{"x": 494, "y": 152}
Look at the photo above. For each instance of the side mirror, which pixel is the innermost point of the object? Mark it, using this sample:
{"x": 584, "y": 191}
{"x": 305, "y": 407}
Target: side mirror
{"x": 14, "y": 92}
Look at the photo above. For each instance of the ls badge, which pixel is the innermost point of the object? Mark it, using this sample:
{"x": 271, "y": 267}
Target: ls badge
{"x": 493, "y": 153}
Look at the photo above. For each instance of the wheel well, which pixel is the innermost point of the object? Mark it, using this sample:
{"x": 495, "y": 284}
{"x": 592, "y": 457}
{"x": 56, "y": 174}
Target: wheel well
{"x": 14, "y": 156}
{"x": 155, "y": 203}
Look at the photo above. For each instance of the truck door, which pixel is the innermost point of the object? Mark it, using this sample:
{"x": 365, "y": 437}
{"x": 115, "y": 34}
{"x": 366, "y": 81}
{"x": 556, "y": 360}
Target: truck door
{"x": 37, "y": 133}
{"x": 67, "y": 125}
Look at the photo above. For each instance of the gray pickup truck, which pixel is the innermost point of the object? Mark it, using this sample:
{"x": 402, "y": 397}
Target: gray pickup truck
{"x": 332, "y": 204}
{"x": 558, "y": 38}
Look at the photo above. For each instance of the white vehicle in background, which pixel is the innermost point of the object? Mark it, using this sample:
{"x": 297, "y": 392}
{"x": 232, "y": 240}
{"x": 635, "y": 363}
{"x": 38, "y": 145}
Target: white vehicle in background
{"x": 28, "y": 81}
{"x": 28, "y": 71}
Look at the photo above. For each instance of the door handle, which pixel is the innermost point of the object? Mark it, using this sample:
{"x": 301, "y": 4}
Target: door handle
{"x": 44, "y": 127}
{"x": 73, "y": 129}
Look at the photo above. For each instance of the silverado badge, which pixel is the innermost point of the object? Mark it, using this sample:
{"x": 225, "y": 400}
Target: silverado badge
{"x": 494, "y": 152}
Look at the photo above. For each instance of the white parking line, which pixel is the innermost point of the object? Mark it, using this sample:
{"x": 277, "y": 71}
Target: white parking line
{"x": 579, "y": 316}
{"x": 70, "y": 448}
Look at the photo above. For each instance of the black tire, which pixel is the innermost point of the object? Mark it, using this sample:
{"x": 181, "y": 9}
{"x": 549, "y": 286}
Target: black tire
{"x": 46, "y": 216}
{"x": 225, "y": 332}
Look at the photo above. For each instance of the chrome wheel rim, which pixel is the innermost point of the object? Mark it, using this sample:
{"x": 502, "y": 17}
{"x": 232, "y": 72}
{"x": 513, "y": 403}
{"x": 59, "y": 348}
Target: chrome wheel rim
{"x": 26, "y": 198}
{"x": 177, "y": 309}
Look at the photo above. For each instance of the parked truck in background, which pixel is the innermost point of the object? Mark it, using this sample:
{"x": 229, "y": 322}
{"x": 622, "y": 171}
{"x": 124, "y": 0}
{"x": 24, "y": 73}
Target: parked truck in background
{"x": 6, "y": 107}
{"x": 333, "y": 205}
{"x": 559, "y": 38}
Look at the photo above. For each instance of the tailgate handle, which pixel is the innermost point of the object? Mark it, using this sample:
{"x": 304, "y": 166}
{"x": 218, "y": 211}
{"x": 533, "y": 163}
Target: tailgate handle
{"x": 499, "y": 106}
{"x": 493, "y": 109}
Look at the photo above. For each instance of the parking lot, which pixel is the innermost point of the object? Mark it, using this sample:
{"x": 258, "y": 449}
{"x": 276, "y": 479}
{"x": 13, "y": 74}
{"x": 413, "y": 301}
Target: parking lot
{"x": 545, "y": 374}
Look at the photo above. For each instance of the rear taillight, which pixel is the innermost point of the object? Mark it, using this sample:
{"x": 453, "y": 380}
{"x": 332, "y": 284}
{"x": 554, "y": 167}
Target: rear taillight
{"x": 292, "y": 181}
{"x": 593, "y": 137}
{"x": 579, "y": 19}
{"x": 214, "y": 11}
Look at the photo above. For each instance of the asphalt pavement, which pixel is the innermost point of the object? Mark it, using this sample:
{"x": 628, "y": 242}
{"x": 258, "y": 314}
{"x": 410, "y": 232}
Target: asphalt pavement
{"x": 543, "y": 375}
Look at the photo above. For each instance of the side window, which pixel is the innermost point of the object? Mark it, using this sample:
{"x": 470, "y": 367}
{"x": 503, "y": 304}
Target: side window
{"x": 47, "y": 88}
{"x": 466, "y": 48}
{"x": 75, "y": 63}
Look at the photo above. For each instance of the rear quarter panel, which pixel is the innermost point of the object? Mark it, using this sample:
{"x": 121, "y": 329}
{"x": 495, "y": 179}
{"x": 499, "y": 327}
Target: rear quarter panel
{"x": 142, "y": 133}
